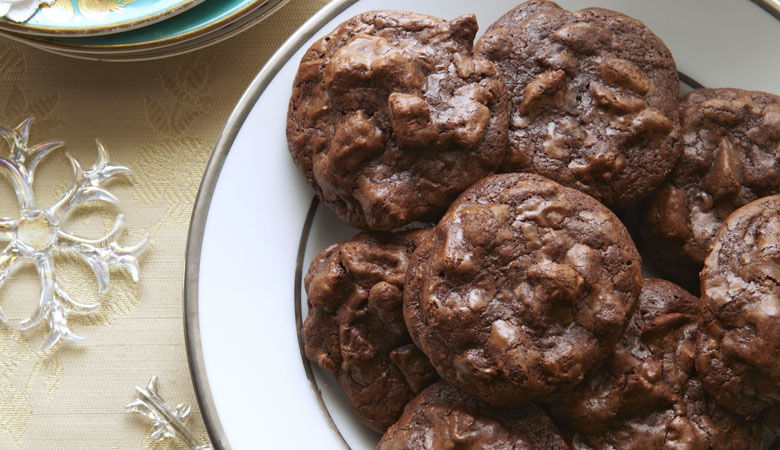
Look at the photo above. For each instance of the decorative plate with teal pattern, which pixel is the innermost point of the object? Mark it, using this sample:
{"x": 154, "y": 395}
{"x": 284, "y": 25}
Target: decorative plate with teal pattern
{"x": 97, "y": 17}
{"x": 209, "y": 15}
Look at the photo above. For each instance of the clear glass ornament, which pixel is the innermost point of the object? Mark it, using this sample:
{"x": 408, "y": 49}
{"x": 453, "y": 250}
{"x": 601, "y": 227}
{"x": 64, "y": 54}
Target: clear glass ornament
{"x": 36, "y": 235}
{"x": 168, "y": 422}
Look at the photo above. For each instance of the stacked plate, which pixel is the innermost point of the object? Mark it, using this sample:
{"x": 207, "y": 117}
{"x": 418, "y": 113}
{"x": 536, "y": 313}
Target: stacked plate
{"x": 133, "y": 30}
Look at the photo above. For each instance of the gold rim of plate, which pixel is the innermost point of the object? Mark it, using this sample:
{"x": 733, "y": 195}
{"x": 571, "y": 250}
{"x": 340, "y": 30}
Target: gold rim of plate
{"x": 96, "y": 30}
{"x": 139, "y": 47}
{"x": 174, "y": 49}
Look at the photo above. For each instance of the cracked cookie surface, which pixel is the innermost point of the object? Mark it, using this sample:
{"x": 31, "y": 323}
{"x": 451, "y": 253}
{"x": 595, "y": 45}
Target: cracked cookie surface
{"x": 730, "y": 157}
{"x": 521, "y": 288}
{"x": 392, "y": 116}
{"x": 443, "y": 417}
{"x": 355, "y": 327}
{"x": 646, "y": 395}
{"x": 738, "y": 350}
{"x": 593, "y": 99}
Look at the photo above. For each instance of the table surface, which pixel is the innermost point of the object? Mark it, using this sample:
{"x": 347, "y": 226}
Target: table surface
{"x": 161, "y": 119}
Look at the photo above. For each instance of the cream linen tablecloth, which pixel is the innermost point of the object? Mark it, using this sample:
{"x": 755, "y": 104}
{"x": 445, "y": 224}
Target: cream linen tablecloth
{"x": 161, "y": 119}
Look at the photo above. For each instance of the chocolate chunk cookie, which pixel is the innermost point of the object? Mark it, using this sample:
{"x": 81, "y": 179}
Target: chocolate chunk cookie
{"x": 392, "y": 116}
{"x": 645, "y": 395}
{"x": 731, "y": 156}
{"x": 594, "y": 99}
{"x": 521, "y": 288}
{"x": 355, "y": 327}
{"x": 738, "y": 350}
{"x": 443, "y": 417}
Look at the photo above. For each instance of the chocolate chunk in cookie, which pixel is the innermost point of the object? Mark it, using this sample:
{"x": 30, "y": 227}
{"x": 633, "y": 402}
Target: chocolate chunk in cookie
{"x": 392, "y": 116}
{"x": 731, "y": 156}
{"x": 443, "y": 417}
{"x": 355, "y": 327}
{"x": 645, "y": 395}
{"x": 738, "y": 350}
{"x": 521, "y": 288}
{"x": 594, "y": 99}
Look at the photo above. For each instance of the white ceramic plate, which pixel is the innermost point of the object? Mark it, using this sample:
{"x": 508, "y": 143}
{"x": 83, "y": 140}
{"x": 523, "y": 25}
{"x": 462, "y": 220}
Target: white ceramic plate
{"x": 255, "y": 228}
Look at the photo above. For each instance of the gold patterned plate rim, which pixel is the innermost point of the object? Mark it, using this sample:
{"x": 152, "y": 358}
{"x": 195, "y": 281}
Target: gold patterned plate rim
{"x": 105, "y": 50}
{"x": 195, "y": 42}
{"x": 97, "y": 30}
{"x": 186, "y": 47}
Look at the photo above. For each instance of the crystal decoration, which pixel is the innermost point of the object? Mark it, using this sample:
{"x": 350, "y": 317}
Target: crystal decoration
{"x": 21, "y": 10}
{"x": 168, "y": 423}
{"x": 36, "y": 235}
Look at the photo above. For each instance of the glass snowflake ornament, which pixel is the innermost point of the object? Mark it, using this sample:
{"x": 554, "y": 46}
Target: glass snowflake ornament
{"x": 168, "y": 422}
{"x": 36, "y": 235}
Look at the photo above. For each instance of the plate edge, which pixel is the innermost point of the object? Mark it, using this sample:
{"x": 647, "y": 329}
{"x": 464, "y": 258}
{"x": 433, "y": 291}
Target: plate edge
{"x": 96, "y": 30}
{"x": 772, "y": 7}
{"x": 47, "y": 43}
{"x": 213, "y": 37}
{"x": 203, "y": 201}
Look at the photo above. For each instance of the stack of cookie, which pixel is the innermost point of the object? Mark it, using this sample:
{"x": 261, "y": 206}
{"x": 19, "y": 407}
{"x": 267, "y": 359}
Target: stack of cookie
{"x": 494, "y": 299}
